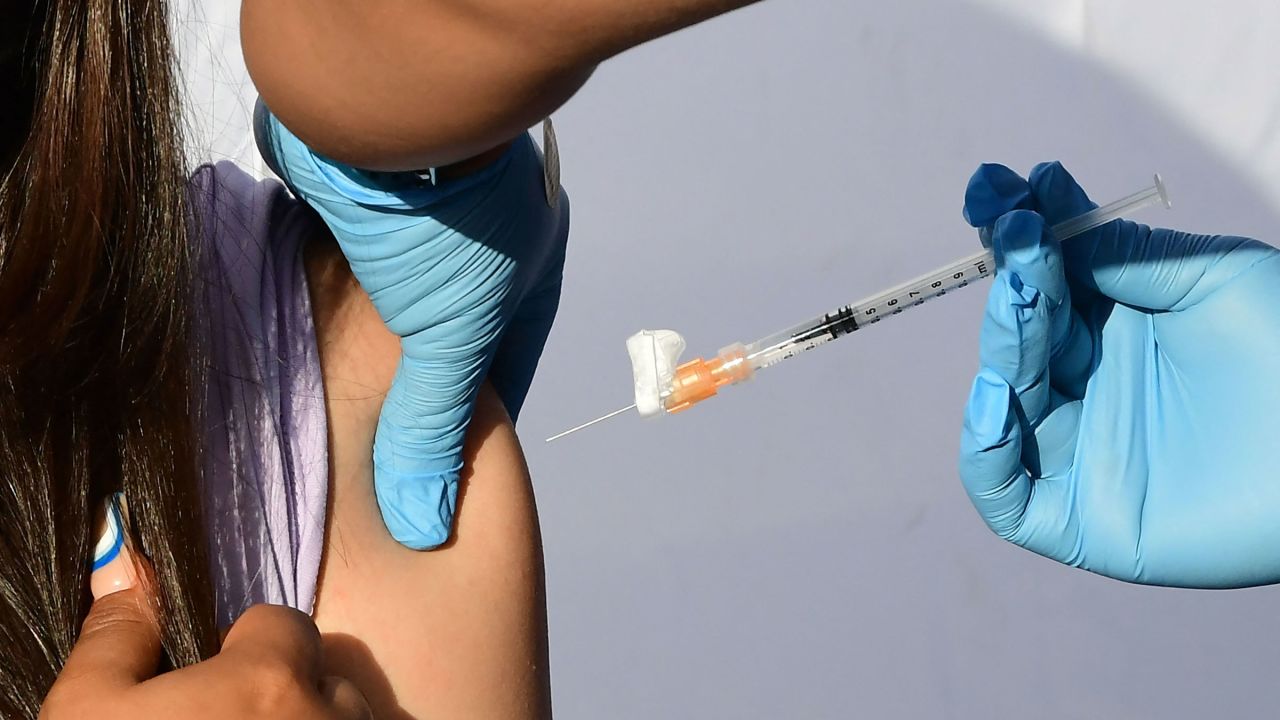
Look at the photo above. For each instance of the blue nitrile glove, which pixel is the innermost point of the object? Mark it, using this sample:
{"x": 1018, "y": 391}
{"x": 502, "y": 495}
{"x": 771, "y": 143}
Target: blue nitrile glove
{"x": 1125, "y": 417}
{"x": 467, "y": 272}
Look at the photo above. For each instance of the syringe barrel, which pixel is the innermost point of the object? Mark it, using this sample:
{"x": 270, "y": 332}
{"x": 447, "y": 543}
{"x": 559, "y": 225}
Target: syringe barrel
{"x": 842, "y": 321}
{"x": 698, "y": 380}
{"x": 870, "y": 310}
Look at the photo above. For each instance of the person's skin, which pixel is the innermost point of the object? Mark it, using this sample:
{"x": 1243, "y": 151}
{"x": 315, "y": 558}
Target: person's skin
{"x": 396, "y": 85}
{"x": 268, "y": 667}
{"x": 408, "y": 84}
{"x": 460, "y": 632}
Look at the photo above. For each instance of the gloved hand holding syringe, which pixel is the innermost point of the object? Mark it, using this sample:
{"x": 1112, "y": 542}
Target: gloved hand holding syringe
{"x": 664, "y": 387}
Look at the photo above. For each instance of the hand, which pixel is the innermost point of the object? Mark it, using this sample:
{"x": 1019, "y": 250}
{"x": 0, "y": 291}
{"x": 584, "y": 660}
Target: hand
{"x": 1123, "y": 420}
{"x": 467, "y": 273}
{"x": 269, "y": 666}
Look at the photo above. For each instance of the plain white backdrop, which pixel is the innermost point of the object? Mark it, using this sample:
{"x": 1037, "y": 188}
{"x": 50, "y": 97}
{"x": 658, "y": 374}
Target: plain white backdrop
{"x": 802, "y": 547}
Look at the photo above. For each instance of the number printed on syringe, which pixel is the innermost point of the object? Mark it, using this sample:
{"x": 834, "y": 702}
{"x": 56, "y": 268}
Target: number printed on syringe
{"x": 849, "y": 318}
{"x": 699, "y": 379}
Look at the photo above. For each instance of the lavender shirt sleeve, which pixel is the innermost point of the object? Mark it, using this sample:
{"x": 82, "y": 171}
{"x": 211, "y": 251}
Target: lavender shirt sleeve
{"x": 266, "y": 453}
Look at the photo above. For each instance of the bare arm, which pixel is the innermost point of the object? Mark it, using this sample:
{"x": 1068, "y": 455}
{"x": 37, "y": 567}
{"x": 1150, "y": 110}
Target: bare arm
{"x": 457, "y": 633}
{"x": 405, "y": 84}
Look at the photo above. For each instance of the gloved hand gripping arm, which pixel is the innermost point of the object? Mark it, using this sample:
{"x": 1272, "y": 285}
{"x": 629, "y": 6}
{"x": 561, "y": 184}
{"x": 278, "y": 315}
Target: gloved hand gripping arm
{"x": 467, "y": 273}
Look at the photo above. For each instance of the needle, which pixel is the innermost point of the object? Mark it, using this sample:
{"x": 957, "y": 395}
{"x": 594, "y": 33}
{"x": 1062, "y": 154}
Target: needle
{"x": 615, "y": 413}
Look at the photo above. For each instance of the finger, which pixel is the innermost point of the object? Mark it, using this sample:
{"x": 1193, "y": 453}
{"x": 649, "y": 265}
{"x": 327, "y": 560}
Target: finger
{"x": 1072, "y": 356}
{"x": 994, "y": 190}
{"x": 1059, "y": 198}
{"x": 991, "y": 466}
{"x": 276, "y": 636}
{"x": 1025, "y": 247}
{"x": 1056, "y": 194}
{"x": 115, "y": 565}
{"x": 440, "y": 284}
{"x": 119, "y": 644}
{"x": 417, "y": 450}
{"x": 1014, "y": 343}
{"x": 344, "y": 699}
{"x": 1010, "y": 392}
{"x": 1165, "y": 270}
{"x": 1134, "y": 264}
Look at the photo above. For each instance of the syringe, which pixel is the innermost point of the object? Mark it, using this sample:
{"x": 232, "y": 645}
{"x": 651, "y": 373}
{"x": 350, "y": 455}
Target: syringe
{"x": 701, "y": 379}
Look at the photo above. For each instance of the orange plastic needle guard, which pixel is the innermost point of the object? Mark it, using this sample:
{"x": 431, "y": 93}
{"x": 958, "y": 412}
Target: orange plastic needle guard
{"x": 700, "y": 379}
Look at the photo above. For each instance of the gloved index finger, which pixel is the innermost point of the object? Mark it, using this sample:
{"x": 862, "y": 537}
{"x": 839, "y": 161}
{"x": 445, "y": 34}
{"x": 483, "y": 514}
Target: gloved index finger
{"x": 1057, "y": 195}
{"x": 1032, "y": 256}
{"x": 1059, "y": 198}
{"x": 994, "y": 190}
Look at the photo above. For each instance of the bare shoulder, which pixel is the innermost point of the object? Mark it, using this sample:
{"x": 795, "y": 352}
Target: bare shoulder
{"x": 459, "y": 632}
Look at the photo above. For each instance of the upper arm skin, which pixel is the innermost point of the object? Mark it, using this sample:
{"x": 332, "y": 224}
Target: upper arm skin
{"x": 403, "y": 84}
{"x": 459, "y": 632}
{"x": 410, "y": 84}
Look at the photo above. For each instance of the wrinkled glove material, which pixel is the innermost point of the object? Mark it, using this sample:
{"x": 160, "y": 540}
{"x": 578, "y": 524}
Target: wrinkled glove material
{"x": 467, "y": 272}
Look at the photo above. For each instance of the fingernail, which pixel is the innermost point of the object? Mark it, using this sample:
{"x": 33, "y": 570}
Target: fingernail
{"x": 988, "y": 413}
{"x": 113, "y": 560}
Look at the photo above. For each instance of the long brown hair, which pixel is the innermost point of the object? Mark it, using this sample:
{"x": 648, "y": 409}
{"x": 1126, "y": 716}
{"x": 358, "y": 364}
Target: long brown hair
{"x": 97, "y": 352}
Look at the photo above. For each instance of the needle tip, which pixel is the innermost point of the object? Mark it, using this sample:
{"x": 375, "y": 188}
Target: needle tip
{"x": 584, "y": 426}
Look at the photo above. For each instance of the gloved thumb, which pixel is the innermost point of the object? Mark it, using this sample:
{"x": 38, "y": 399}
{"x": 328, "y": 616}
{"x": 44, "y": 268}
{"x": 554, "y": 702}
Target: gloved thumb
{"x": 1134, "y": 264}
{"x": 417, "y": 453}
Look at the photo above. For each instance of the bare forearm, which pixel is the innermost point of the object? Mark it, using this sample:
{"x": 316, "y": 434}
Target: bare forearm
{"x": 400, "y": 84}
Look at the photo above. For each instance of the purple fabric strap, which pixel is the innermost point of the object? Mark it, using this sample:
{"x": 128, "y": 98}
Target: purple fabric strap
{"x": 266, "y": 453}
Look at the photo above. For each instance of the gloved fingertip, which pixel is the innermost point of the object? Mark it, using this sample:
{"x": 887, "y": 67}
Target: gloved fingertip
{"x": 1057, "y": 194}
{"x": 418, "y": 510}
{"x": 1019, "y": 239}
{"x": 1025, "y": 247}
{"x": 993, "y": 191}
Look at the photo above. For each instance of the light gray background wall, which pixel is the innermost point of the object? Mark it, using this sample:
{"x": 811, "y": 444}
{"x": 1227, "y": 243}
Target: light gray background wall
{"x": 802, "y": 547}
